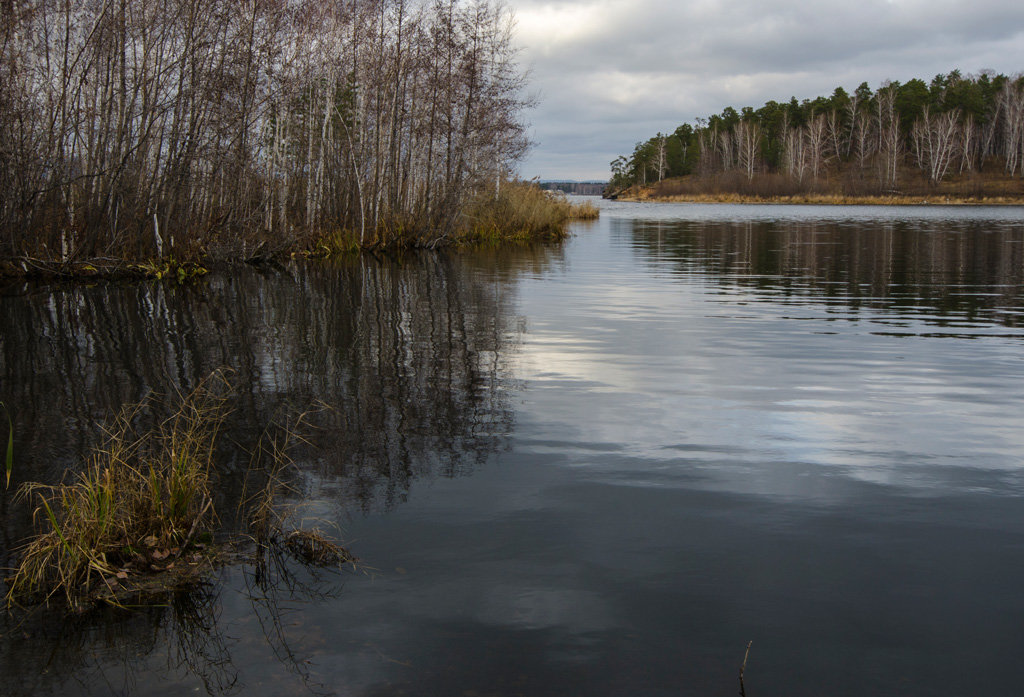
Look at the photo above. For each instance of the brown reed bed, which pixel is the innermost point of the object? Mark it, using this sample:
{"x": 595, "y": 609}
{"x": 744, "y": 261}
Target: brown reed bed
{"x": 520, "y": 211}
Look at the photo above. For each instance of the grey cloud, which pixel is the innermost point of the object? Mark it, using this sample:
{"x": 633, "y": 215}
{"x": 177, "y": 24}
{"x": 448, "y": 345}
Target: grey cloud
{"x": 634, "y": 68}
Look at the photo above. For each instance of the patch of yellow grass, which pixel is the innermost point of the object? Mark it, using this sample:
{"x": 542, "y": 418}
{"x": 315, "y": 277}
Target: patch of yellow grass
{"x": 520, "y": 211}
{"x": 142, "y": 496}
{"x": 585, "y": 211}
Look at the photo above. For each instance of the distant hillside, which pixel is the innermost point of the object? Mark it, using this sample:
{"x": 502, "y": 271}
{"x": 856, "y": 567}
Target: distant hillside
{"x": 896, "y": 139}
{"x": 589, "y": 188}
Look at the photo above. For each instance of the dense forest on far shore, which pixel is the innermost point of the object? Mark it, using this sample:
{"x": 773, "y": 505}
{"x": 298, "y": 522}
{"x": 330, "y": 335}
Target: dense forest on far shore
{"x": 955, "y": 135}
{"x": 199, "y": 130}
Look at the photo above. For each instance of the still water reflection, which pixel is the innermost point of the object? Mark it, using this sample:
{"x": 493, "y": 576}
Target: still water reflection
{"x": 597, "y": 469}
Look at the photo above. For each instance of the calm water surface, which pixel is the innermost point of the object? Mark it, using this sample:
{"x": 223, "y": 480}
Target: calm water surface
{"x": 595, "y": 469}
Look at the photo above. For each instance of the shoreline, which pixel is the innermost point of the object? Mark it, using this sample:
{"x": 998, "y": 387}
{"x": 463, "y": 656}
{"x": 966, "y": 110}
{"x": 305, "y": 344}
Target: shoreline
{"x": 828, "y": 199}
{"x": 522, "y": 214}
{"x": 111, "y": 270}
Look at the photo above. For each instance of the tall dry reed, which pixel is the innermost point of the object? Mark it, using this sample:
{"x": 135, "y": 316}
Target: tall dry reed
{"x": 520, "y": 211}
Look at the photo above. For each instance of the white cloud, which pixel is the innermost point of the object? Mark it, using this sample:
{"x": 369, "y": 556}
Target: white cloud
{"x": 551, "y": 28}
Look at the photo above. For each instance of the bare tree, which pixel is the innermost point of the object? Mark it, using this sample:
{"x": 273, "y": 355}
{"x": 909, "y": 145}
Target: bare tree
{"x": 661, "y": 155}
{"x": 1011, "y": 104}
{"x": 708, "y": 139}
{"x": 795, "y": 162}
{"x": 816, "y": 135}
{"x": 138, "y": 128}
{"x": 863, "y": 142}
{"x": 837, "y": 134}
{"x": 726, "y": 150}
{"x": 747, "y": 136}
{"x": 937, "y": 140}
{"x": 890, "y": 142}
{"x": 969, "y": 145}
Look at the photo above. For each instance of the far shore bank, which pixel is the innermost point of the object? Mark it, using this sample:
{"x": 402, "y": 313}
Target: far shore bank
{"x": 844, "y": 187}
{"x": 826, "y": 199}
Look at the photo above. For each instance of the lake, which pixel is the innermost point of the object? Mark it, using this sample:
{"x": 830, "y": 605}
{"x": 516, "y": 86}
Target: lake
{"x": 596, "y": 468}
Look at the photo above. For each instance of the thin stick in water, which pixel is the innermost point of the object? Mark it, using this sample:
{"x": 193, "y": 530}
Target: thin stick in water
{"x": 743, "y": 668}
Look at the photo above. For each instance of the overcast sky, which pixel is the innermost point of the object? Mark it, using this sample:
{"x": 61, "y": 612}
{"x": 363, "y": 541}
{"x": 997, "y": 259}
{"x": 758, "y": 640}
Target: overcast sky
{"x": 612, "y": 72}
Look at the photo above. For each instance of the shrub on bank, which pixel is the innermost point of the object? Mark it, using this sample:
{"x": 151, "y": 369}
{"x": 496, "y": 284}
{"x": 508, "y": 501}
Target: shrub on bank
{"x": 520, "y": 211}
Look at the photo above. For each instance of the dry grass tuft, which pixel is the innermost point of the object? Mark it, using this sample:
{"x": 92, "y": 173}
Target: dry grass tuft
{"x": 139, "y": 518}
{"x": 316, "y": 548}
{"x": 585, "y": 211}
{"x": 520, "y": 211}
{"x": 272, "y": 523}
{"x": 141, "y": 500}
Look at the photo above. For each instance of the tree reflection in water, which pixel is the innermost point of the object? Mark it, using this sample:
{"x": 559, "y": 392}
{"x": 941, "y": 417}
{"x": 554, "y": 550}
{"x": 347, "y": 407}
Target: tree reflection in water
{"x": 937, "y": 270}
{"x": 411, "y": 356}
{"x": 116, "y": 650}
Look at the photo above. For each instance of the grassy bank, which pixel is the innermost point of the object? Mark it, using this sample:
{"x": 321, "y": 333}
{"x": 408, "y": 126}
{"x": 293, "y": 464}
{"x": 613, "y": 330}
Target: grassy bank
{"x": 517, "y": 212}
{"x": 841, "y": 188}
{"x": 139, "y": 516}
{"x": 825, "y": 199}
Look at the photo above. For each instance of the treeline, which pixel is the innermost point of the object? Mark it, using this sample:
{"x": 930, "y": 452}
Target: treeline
{"x": 577, "y": 188}
{"x": 197, "y": 128}
{"x": 865, "y": 139}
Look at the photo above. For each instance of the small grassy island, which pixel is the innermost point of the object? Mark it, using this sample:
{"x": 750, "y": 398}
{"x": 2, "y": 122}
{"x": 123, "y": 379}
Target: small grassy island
{"x": 141, "y": 518}
{"x": 955, "y": 139}
{"x": 159, "y": 143}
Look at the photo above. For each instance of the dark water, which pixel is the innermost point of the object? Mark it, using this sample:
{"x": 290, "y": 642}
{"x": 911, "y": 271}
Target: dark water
{"x": 596, "y": 469}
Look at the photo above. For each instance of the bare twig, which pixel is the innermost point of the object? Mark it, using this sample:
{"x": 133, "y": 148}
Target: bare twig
{"x": 195, "y": 524}
{"x": 743, "y": 668}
